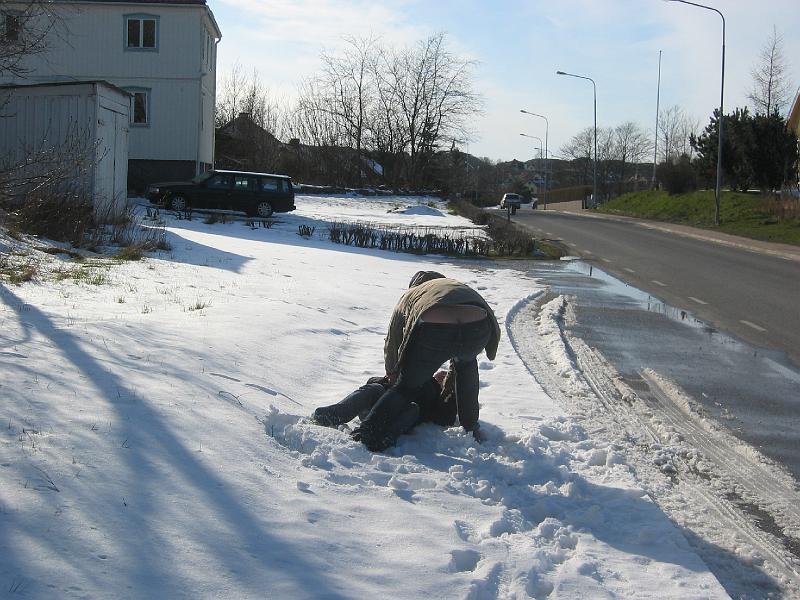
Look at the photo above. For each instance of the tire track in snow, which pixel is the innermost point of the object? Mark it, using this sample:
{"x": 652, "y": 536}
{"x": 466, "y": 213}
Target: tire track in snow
{"x": 614, "y": 412}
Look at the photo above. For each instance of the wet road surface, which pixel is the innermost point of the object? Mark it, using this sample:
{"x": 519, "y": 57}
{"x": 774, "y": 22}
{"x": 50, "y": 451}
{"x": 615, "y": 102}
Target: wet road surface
{"x": 753, "y": 392}
{"x": 754, "y": 296}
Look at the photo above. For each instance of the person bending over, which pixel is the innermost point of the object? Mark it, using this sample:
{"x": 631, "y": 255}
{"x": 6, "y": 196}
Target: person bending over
{"x": 437, "y": 319}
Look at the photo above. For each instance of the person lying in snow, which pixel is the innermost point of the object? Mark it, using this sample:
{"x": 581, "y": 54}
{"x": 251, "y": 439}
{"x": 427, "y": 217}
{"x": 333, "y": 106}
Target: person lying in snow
{"x": 435, "y": 399}
{"x": 437, "y": 319}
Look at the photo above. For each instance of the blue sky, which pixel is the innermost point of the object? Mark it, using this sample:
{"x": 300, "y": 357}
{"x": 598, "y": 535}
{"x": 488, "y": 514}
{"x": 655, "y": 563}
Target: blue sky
{"x": 520, "y": 45}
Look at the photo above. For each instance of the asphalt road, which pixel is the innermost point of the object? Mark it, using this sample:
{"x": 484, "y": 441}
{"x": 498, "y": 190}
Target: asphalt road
{"x": 753, "y": 296}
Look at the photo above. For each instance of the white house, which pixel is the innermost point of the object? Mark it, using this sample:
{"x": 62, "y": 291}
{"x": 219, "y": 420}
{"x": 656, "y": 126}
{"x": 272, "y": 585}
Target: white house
{"x": 163, "y": 52}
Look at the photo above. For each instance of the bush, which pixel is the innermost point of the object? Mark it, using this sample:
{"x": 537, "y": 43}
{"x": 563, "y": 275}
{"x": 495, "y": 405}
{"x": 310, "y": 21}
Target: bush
{"x": 420, "y": 241}
{"x": 677, "y": 177}
{"x": 70, "y": 218}
{"x": 63, "y": 217}
{"x": 469, "y": 211}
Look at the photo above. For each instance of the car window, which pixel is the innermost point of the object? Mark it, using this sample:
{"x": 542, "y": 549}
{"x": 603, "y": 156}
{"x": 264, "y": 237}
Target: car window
{"x": 220, "y": 182}
{"x": 241, "y": 182}
{"x": 271, "y": 185}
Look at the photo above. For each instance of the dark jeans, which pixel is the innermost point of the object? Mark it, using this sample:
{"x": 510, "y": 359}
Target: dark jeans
{"x": 431, "y": 345}
{"x": 359, "y": 402}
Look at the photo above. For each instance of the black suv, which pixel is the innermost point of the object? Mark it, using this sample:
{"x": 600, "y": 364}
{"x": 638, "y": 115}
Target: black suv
{"x": 256, "y": 194}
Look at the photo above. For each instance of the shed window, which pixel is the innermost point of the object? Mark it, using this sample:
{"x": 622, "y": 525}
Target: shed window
{"x": 141, "y": 32}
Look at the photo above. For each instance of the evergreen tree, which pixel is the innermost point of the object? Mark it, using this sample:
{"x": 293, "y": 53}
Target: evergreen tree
{"x": 756, "y": 150}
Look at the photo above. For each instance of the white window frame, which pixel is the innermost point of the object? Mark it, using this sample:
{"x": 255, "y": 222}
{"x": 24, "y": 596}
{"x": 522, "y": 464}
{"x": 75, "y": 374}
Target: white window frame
{"x": 141, "y": 18}
{"x": 148, "y": 96}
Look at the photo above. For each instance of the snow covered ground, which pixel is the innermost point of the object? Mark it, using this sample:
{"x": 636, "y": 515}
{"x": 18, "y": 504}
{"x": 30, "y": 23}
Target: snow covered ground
{"x": 154, "y": 440}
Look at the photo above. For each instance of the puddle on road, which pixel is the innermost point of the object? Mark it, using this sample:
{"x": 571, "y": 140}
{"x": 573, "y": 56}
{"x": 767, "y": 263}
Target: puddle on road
{"x": 754, "y": 392}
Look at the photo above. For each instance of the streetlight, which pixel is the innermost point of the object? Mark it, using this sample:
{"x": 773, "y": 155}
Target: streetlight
{"x": 594, "y": 175}
{"x": 535, "y": 138}
{"x": 655, "y": 142}
{"x": 540, "y": 153}
{"x": 721, "y": 98}
{"x": 546, "y": 153}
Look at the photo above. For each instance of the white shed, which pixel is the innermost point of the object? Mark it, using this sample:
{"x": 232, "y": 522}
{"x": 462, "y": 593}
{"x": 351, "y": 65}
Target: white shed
{"x": 79, "y": 128}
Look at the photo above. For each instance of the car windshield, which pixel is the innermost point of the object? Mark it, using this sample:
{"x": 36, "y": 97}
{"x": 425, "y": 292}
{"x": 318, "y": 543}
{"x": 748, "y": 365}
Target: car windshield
{"x": 202, "y": 177}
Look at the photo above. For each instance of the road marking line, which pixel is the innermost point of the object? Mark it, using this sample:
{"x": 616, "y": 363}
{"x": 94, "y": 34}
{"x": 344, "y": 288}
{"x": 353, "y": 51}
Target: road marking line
{"x": 548, "y": 233}
{"x": 629, "y": 270}
{"x": 606, "y": 260}
{"x": 657, "y": 282}
{"x": 588, "y": 252}
{"x": 753, "y": 325}
{"x": 571, "y": 244}
{"x": 697, "y": 300}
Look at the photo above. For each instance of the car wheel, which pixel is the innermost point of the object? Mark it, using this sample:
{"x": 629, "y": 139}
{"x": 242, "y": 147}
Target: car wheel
{"x": 178, "y": 202}
{"x": 264, "y": 210}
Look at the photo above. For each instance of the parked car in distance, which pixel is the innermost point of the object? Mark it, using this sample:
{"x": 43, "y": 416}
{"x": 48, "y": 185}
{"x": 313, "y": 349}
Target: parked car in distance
{"x": 512, "y": 200}
{"x": 255, "y": 194}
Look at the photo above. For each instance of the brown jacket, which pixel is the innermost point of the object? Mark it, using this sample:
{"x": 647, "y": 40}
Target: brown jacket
{"x": 415, "y": 301}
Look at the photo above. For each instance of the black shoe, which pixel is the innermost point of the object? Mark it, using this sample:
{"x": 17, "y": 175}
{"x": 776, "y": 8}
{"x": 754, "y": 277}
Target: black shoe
{"x": 327, "y": 416}
{"x": 404, "y": 423}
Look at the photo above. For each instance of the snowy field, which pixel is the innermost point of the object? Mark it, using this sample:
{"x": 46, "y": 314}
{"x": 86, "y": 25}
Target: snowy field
{"x": 155, "y": 440}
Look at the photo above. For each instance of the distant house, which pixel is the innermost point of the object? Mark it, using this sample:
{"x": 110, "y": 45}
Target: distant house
{"x": 244, "y": 145}
{"x": 794, "y": 116}
{"x": 163, "y": 52}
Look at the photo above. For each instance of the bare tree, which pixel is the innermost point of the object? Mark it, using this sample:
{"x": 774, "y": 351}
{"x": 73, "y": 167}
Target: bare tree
{"x": 249, "y": 121}
{"x": 318, "y": 126}
{"x": 675, "y": 129}
{"x": 388, "y": 139}
{"x": 631, "y": 146}
{"x": 579, "y": 150}
{"x": 433, "y": 91}
{"x": 347, "y": 88}
{"x": 395, "y": 106}
{"x": 247, "y": 94}
{"x": 772, "y": 89}
{"x": 29, "y": 27}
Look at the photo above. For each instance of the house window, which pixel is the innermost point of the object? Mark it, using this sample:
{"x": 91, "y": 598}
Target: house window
{"x": 140, "y": 106}
{"x": 141, "y": 32}
{"x": 12, "y": 28}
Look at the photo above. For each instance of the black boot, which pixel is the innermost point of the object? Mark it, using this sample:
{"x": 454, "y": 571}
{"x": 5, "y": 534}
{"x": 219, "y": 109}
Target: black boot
{"x": 357, "y": 403}
{"x": 403, "y": 423}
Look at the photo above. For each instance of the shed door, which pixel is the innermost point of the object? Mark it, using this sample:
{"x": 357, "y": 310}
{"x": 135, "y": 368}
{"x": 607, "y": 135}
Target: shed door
{"x": 112, "y": 161}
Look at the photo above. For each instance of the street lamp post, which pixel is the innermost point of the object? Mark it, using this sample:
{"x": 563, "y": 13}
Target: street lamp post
{"x": 655, "y": 141}
{"x": 547, "y": 172}
{"x": 594, "y": 87}
{"x": 540, "y": 150}
{"x": 717, "y": 189}
{"x": 534, "y": 138}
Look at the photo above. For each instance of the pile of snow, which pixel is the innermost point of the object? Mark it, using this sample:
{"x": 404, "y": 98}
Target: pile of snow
{"x": 155, "y": 439}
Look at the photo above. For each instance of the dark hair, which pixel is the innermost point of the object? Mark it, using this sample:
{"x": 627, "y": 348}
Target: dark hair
{"x": 423, "y": 276}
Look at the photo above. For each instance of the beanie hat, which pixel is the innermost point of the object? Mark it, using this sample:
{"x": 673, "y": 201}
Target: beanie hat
{"x": 423, "y": 276}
